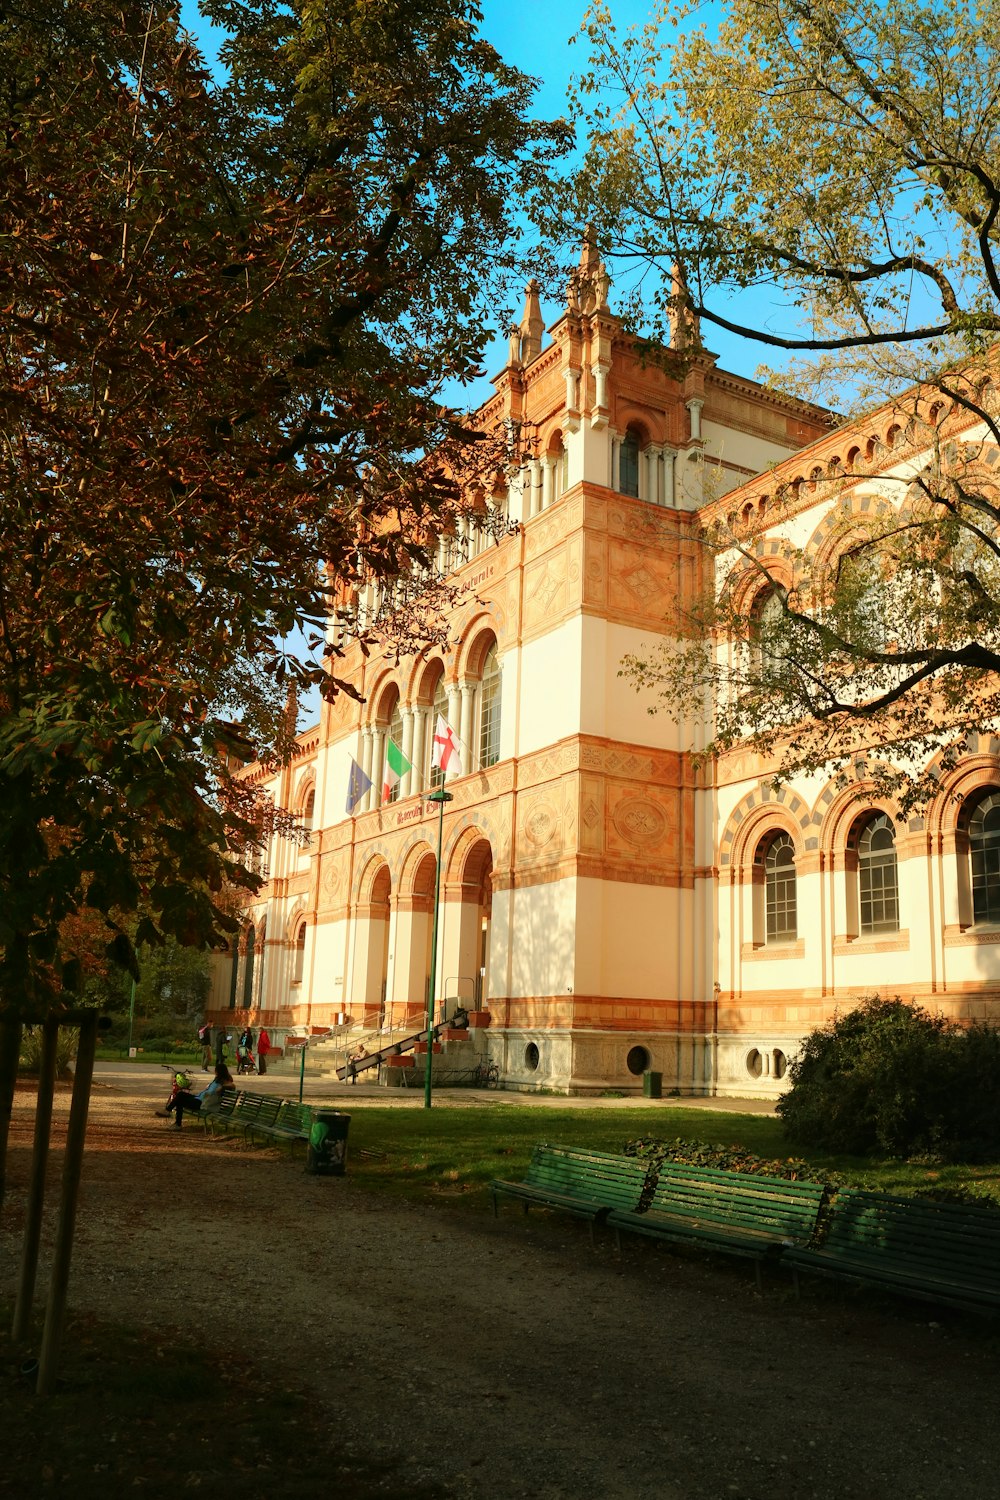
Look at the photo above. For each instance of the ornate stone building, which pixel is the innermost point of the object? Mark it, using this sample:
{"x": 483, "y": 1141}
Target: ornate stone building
{"x": 608, "y": 908}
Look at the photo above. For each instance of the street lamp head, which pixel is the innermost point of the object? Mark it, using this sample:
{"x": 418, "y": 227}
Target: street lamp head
{"x": 440, "y": 796}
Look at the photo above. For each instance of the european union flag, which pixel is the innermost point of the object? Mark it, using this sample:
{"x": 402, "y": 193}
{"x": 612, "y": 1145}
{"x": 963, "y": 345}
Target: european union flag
{"x": 356, "y": 786}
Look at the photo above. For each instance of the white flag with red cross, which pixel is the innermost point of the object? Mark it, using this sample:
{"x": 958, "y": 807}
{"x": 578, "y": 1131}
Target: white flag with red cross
{"x": 447, "y": 755}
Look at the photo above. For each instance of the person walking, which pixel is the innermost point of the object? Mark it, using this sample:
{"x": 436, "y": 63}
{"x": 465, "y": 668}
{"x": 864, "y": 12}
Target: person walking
{"x": 263, "y": 1048}
{"x": 205, "y": 1042}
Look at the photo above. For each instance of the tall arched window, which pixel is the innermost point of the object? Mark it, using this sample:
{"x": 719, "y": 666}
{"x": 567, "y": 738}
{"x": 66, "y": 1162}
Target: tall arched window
{"x": 299, "y": 955}
{"x": 251, "y": 939}
{"x": 489, "y": 710}
{"x": 439, "y": 709}
{"x": 878, "y": 886}
{"x": 984, "y": 855}
{"x": 767, "y": 614}
{"x": 396, "y": 735}
{"x": 309, "y": 810}
{"x": 780, "y": 905}
{"x": 862, "y": 605}
{"x": 560, "y": 462}
{"x": 628, "y": 465}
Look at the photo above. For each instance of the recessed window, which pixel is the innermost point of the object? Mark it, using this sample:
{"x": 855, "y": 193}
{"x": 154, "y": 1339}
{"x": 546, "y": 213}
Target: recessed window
{"x": 767, "y": 617}
{"x": 628, "y": 465}
{"x": 878, "y": 885}
{"x": 489, "y": 710}
{"x": 984, "y": 854}
{"x": 531, "y": 1057}
{"x": 755, "y": 1063}
{"x": 638, "y": 1060}
{"x": 299, "y": 955}
{"x": 439, "y": 710}
{"x": 780, "y": 902}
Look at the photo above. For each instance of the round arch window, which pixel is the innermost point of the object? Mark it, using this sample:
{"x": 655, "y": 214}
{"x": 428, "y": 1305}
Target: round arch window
{"x": 638, "y": 1060}
{"x": 531, "y": 1056}
{"x": 755, "y": 1063}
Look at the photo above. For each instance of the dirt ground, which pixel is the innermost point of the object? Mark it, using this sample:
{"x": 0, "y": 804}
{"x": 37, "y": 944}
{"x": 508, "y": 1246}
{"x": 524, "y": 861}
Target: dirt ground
{"x": 507, "y": 1358}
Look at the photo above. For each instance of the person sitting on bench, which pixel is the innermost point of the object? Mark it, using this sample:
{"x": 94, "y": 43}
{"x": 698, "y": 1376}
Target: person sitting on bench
{"x": 353, "y": 1059}
{"x": 208, "y": 1100}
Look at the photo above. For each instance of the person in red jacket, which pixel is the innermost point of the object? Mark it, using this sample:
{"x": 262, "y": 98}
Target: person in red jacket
{"x": 263, "y": 1048}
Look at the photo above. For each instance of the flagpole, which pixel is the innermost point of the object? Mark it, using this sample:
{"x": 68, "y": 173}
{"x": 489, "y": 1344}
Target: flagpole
{"x": 440, "y": 797}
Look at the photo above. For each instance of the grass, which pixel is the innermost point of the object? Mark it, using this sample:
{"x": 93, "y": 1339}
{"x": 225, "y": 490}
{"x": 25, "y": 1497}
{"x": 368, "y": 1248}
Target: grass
{"x": 456, "y": 1152}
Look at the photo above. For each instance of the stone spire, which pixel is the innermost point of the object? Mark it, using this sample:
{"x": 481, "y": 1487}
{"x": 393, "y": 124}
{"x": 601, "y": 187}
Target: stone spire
{"x": 685, "y": 328}
{"x": 588, "y": 286}
{"x": 532, "y": 322}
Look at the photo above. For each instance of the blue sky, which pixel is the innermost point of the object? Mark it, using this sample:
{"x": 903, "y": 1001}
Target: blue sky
{"x": 536, "y": 38}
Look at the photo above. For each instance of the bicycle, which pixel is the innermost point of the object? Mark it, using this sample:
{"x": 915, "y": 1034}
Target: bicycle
{"x": 486, "y": 1075}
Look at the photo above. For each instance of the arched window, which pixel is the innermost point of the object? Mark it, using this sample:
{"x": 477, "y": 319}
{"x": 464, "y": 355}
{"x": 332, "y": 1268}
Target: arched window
{"x": 878, "y": 886}
{"x": 489, "y": 710}
{"x": 780, "y": 908}
{"x": 299, "y": 955}
{"x": 861, "y": 600}
{"x": 251, "y": 939}
{"x": 562, "y": 470}
{"x": 984, "y": 855}
{"x": 628, "y": 465}
{"x": 309, "y": 810}
{"x": 439, "y": 708}
{"x": 395, "y": 734}
{"x": 767, "y": 614}
{"x": 234, "y": 971}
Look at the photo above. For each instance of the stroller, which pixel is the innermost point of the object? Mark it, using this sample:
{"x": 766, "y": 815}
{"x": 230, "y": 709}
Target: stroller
{"x": 245, "y": 1060}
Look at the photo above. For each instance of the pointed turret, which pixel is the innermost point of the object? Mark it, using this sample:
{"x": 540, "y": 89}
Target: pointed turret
{"x": 685, "y": 329}
{"x": 532, "y": 322}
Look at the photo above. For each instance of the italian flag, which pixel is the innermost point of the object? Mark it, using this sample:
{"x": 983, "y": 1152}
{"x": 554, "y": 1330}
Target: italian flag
{"x": 396, "y": 765}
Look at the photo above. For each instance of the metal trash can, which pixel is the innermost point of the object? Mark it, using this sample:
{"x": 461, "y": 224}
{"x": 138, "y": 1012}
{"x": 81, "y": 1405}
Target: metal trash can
{"x": 326, "y": 1153}
{"x": 652, "y": 1085}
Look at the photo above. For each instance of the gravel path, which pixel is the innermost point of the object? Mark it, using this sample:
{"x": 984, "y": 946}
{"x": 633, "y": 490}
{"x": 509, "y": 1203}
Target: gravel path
{"x": 507, "y": 1358}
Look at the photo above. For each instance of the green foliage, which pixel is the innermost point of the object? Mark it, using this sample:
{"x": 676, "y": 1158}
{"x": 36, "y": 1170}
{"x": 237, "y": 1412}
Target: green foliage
{"x": 733, "y": 1158}
{"x": 874, "y": 214}
{"x": 228, "y": 312}
{"x": 889, "y": 1078}
{"x": 30, "y": 1060}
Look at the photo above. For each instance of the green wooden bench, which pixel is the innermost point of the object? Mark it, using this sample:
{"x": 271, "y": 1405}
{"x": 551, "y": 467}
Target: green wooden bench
{"x": 292, "y": 1122}
{"x": 227, "y": 1105}
{"x": 249, "y": 1110}
{"x": 736, "y": 1213}
{"x": 938, "y": 1252}
{"x": 587, "y": 1184}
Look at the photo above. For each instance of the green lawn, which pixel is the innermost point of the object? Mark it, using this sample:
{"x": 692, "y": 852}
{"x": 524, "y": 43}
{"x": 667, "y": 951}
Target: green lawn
{"x": 455, "y": 1152}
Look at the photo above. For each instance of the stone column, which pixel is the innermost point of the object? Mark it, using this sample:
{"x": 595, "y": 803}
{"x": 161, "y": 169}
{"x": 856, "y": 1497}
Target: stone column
{"x": 615, "y": 450}
{"x": 694, "y": 407}
{"x": 468, "y": 692}
{"x": 420, "y": 716}
{"x": 367, "y": 740}
{"x": 669, "y": 481}
{"x": 534, "y": 486}
{"x": 407, "y": 778}
{"x": 378, "y": 764}
{"x": 548, "y": 480}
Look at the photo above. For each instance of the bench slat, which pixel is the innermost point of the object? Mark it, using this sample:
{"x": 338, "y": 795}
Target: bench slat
{"x": 937, "y": 1251}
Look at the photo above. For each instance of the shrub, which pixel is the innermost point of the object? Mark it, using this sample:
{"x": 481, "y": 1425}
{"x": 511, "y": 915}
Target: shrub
{"x": 890, "y": 1078}
{"x": 30, "y": 1059}
{"x": 727, "y": 1159}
